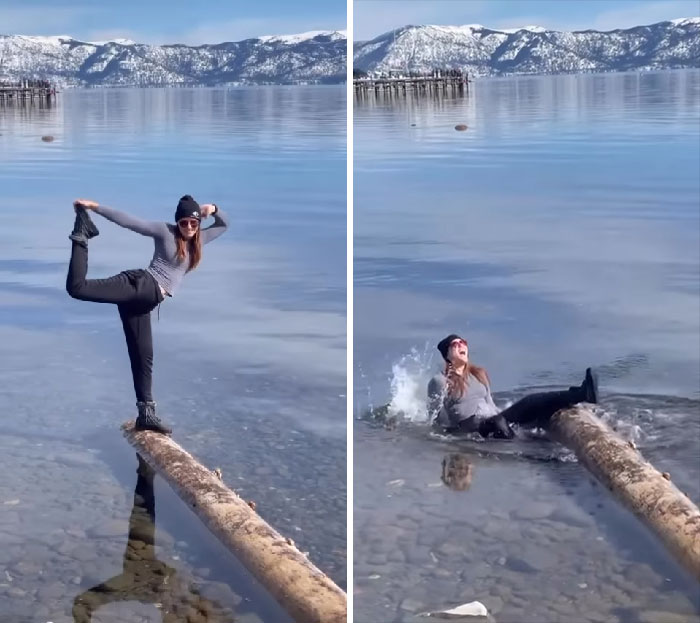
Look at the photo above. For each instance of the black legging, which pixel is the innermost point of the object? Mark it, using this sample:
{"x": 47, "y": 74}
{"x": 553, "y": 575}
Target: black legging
{"x": 136, "y": 293}
{"x": 532, "y": 410}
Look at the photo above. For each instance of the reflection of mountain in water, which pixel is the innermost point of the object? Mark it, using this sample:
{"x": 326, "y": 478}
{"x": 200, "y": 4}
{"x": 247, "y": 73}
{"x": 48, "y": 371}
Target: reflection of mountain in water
{"x": 286, "y": 120}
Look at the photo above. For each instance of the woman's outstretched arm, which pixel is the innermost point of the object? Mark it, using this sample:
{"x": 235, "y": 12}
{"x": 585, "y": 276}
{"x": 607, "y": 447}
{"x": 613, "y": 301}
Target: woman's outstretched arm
{"x": 145, "y": 228}
{"x": 219, "y": 225}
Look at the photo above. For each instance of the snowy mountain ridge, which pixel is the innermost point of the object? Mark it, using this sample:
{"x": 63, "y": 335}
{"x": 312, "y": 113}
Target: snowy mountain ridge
{"x": 484, "y": 51}
{"x": 314, "y": 57}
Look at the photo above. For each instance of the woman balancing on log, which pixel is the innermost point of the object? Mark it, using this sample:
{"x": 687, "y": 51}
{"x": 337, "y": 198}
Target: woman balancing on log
{"x": 460, "y": 397}
{"x": 136, "y": 293}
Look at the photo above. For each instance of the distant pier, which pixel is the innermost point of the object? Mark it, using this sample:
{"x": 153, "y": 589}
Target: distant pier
{"x": 435, "y": 82}
{"x": 27, "y": 92}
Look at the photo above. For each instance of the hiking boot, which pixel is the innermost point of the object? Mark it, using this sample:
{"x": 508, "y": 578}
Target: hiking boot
{"x": 147, "y": 419}
{"x": 83, "y": 228}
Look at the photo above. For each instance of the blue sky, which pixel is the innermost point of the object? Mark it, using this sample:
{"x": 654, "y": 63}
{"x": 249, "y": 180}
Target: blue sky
{"x": 213, "y": 21}
{"x": 159, "y": 21}
{"x": 374, "y": 17}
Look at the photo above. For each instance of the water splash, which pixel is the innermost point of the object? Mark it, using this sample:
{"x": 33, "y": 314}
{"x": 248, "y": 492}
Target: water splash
{"x": 408, "y": 383}
{"x": 360, "y": 380}
{"x": 628, "y": 426}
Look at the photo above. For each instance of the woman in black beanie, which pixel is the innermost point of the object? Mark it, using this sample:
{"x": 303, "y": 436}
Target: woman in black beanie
{"x": 178, "y": 250}
{"x": 460, "y": 397}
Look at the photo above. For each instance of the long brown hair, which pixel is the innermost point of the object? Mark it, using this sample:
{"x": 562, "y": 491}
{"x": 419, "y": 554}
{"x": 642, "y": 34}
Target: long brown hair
{"x": 191, "y": 248}
{"x": 457, "y": 383}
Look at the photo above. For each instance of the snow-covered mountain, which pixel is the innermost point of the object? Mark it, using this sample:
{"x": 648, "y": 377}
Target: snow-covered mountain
{"x": 318, "y": 56}
{"x": 485, "y": 51}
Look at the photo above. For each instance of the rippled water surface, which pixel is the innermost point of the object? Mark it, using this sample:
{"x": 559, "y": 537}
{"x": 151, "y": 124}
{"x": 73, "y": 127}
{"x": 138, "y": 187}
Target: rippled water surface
{"x": 249, "y": 354}
{"x": 560, "y": 231}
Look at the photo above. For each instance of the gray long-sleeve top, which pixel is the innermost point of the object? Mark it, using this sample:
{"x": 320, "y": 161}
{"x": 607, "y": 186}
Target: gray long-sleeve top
{"x": 165, "y": 266}
{"x": 474, "y": 405}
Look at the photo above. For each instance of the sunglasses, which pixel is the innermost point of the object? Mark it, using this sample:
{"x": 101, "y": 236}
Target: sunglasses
{"x": 456, "y": 343}
{"x": 192, "y": 223}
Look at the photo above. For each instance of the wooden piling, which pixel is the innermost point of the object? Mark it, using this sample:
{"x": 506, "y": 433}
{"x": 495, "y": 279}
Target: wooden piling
{"x": 27, "y": 92}
{"x": 439, "y": 81}
{"x": 305, "y": 592}
{"x": 648, "y": 493}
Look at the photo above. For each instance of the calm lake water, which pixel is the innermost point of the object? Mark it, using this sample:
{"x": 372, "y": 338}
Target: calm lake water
{"x": 560, "y": 231}
{"x": 249, "y": 354}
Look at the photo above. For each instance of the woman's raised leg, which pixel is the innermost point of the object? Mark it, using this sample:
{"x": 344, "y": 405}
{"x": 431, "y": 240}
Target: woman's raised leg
{"x": 117, "y": 289}
{"x": 536, "y": 409}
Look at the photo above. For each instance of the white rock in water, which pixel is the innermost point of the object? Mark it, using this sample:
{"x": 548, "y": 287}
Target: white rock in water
{"x": 472, "y": 609}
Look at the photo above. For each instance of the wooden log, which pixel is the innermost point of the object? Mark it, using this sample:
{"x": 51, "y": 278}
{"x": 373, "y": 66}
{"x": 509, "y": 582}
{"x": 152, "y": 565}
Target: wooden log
{"x": 306, "y": 593}
{"x": 644, "y": 490}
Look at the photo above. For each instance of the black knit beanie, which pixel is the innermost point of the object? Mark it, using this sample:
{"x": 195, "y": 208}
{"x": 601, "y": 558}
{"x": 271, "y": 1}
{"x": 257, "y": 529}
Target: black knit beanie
{"x": 444, "y": 344}
{"x": 187, "y": 208}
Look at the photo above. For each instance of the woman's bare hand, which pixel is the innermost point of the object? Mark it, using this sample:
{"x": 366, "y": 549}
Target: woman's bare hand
{"x": 207, "y": 209}
{"x": 86, "y": 203}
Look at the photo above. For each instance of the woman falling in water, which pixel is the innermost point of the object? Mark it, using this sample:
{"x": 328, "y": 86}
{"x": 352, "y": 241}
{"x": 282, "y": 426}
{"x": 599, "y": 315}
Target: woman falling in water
{"x": 460, "y": 397}
{"x": 178, "y": 250}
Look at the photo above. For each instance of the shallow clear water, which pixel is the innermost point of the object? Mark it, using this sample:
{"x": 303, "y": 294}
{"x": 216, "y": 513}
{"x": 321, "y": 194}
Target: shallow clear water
{"x": 560, "y": 231}
{"x": 249, "y": 354}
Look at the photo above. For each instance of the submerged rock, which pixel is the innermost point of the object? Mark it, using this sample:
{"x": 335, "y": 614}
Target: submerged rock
{"x": 410, "y": 605}
{"x": 461, "y": 127}
{"x": 536, "y": 510}
{"x": 110, "y": 529}
{"x": 654, "y": 616}
{"x": 51, "y": 591}
{"x": 532, "y": 560}
{"x": 77, "y": 458}
{"x": 493, "y": 603}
